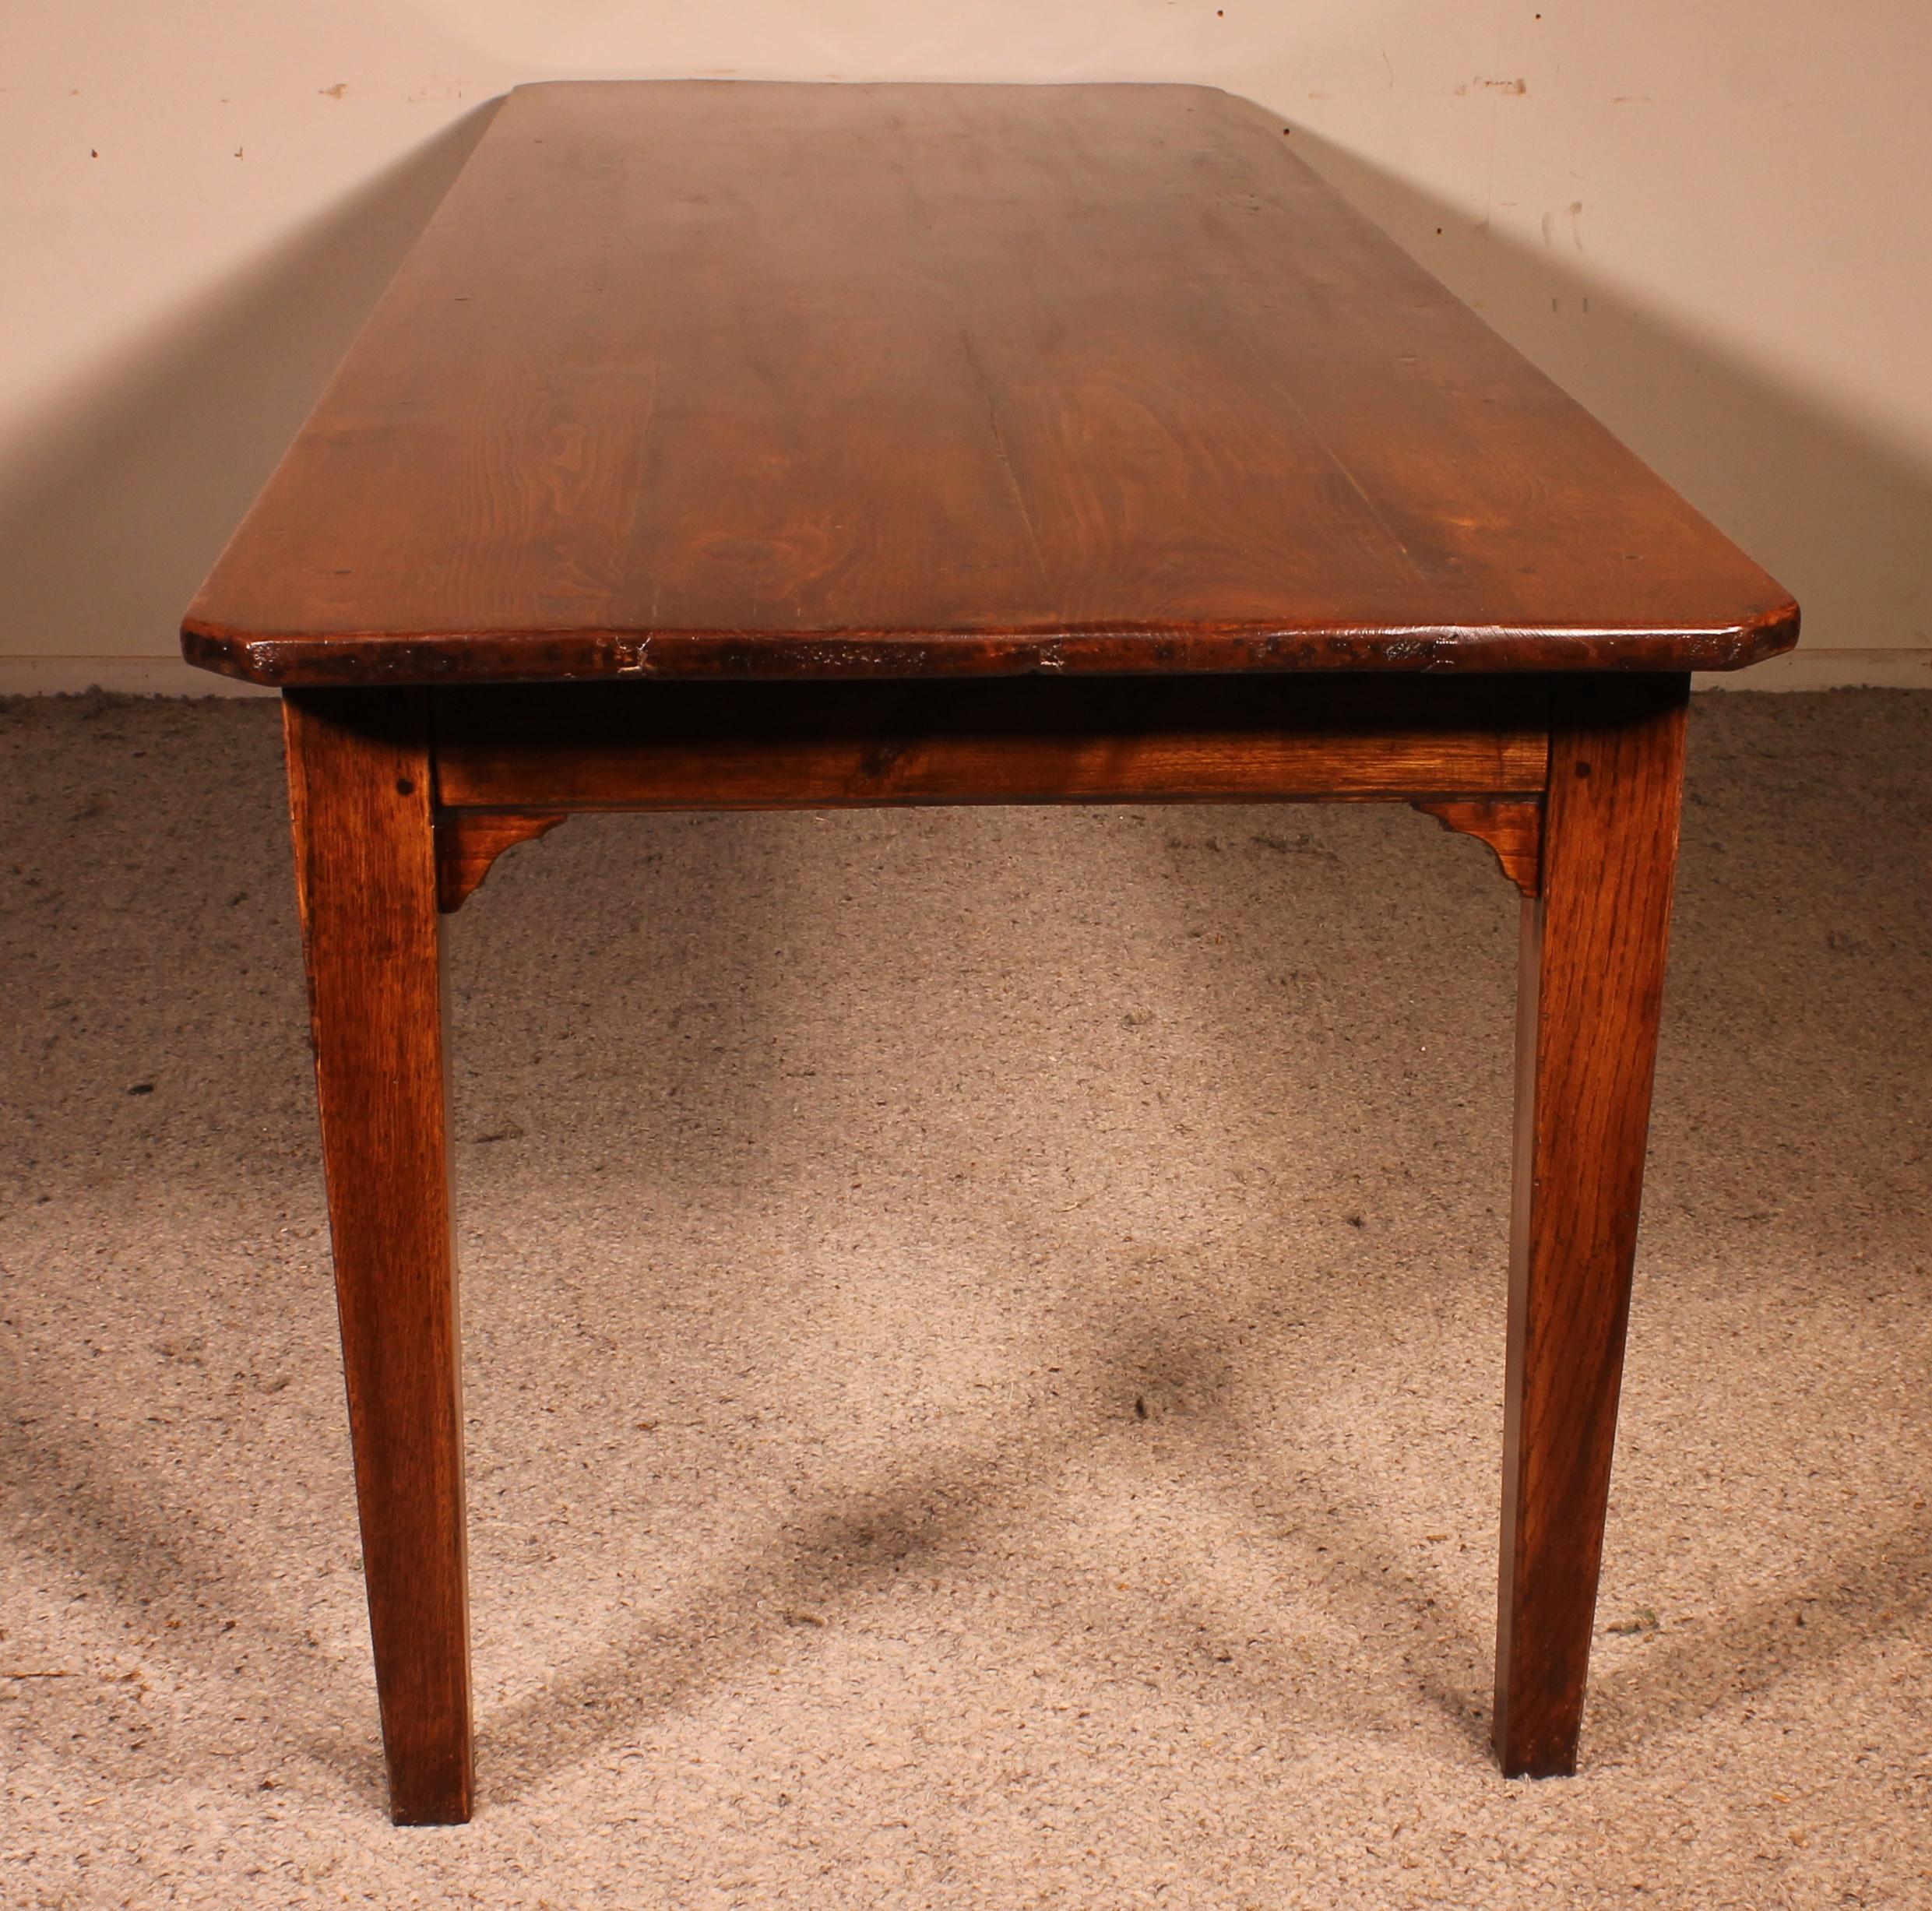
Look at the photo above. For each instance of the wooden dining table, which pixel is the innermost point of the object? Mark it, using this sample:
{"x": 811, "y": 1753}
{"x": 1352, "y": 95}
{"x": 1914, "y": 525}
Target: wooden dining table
{"x": 728, "y": 446}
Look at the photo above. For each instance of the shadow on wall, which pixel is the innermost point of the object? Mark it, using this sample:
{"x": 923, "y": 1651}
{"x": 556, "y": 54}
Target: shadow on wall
{"x": 115, "y": 514}
{"x": 1842, "y": 521}
{"x": 111, "y": 517}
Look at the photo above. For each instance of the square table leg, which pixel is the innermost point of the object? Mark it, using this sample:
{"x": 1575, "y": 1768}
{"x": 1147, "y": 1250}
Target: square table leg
{"x": 359, "y": 797}
{"x": 1592, "y": 980}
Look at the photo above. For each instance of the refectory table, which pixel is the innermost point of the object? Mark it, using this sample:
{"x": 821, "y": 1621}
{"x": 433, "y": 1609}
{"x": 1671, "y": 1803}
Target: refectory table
{"x": 786, "y": 446}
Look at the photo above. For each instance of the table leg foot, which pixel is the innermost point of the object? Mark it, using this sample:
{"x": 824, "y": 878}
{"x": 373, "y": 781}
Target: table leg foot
{"x": 360, "y": 798}
{"x": 1592, "y": 980}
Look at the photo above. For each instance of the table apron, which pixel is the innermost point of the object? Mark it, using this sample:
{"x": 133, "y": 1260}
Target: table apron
{"x": 830, "y": 745}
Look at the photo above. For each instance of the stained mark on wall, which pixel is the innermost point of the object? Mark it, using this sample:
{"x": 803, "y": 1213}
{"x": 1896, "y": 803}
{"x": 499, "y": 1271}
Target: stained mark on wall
{"x": 1576, "y": 225}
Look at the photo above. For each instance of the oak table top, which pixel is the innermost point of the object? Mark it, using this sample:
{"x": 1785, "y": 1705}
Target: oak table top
{"x": 734, "y": 379}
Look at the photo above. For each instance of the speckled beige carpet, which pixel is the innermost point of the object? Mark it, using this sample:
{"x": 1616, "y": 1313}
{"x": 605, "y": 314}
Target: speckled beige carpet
{"x": 984, "y": 1338}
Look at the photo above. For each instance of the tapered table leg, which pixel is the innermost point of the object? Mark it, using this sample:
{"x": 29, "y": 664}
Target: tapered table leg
{"x": 360, "y": 796}
{"x": 1593, "y": 979}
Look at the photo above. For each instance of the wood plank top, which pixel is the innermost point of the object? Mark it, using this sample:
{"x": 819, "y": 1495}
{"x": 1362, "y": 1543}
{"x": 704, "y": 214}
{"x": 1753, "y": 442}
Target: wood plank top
{"x": 747, "y": 379}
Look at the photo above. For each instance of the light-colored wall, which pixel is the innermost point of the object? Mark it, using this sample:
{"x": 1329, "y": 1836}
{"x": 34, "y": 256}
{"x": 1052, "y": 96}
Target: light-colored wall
{"x": 1709, "y": 219}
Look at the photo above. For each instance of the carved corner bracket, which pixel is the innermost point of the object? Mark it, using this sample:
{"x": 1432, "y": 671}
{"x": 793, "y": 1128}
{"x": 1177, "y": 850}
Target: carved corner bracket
{"x": 1513, "y": 826}
{"x": 469, "y": 841}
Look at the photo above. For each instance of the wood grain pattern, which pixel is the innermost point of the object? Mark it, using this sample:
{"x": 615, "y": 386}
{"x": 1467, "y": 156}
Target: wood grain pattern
{"x": 1594, "y": 948}
{"x": 1512, "y": 829}
{"x": 468, "y": 842}
{"x": 814, "y": 746}
{"x": 359, "y": 790}
{"x": 775, "y": 380}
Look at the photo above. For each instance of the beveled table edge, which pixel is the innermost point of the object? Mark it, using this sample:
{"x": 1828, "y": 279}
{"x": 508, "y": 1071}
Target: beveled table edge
{"x": 400, "y": 659}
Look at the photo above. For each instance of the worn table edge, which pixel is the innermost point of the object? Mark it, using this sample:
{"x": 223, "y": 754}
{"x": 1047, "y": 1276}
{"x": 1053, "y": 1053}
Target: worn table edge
{"x": 400, "y": 659}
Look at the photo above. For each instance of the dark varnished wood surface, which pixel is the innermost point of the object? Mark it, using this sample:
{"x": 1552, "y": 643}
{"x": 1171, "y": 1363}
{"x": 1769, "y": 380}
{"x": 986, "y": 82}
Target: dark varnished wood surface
{"x": 721, "y": 379}
{"x": 468, "y": 842}
{"x": 1030, "y": 739}
{"x": 699, "y": 381}
{"x": 359, "y": 778}
{"x": 1594, "y": 948}
{"x": 1512, "y": 826}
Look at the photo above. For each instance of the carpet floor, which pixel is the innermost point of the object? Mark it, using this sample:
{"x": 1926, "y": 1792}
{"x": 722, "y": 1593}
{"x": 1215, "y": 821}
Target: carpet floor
{"x": 985, "y": 1344}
